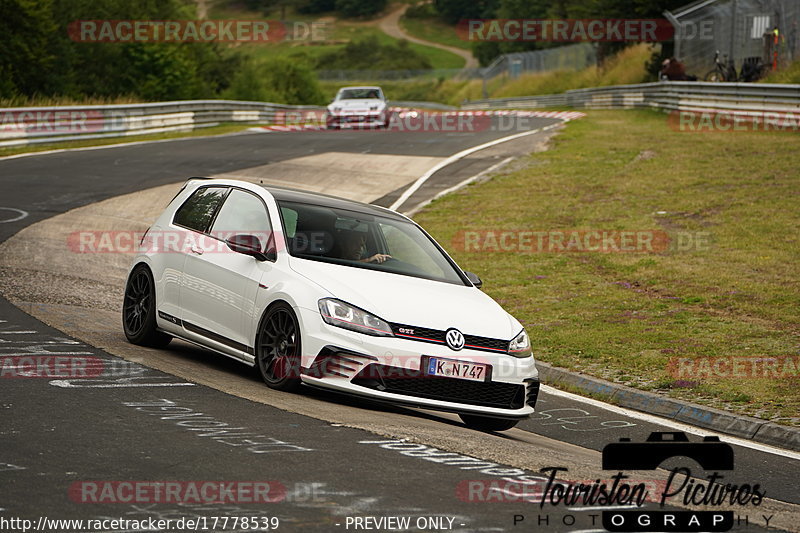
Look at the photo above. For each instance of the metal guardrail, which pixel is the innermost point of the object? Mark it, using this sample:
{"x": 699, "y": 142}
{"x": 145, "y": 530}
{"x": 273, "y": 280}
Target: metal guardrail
{"x": 31, "y": 125}
{"x": 734, "y": 98}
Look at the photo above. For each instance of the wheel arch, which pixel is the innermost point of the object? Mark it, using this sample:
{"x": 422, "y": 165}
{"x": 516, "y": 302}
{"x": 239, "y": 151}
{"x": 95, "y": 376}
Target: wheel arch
{"x": 272, "y": 304}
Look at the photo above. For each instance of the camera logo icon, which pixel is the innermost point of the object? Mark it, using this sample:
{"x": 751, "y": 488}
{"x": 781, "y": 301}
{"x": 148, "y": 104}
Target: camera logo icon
{"x": 710, "y": 453}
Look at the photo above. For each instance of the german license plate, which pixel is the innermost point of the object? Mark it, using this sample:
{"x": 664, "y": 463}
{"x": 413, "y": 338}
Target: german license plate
{"x": 450, "y": 368}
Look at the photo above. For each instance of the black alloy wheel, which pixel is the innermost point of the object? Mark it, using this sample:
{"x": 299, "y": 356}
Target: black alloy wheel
{"x": 278, "y": 348}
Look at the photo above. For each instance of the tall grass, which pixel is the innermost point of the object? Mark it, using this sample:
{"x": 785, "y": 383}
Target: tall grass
{"x": 628, "y": 66}
{"x": 791, "y": 74}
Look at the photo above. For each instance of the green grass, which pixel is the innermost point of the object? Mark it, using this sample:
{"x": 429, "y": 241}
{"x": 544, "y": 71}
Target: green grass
{"x": 434, "y": 30}
{"x": 790, "y": 74}
{"x": 342, "y": 32}
{"x": 202, "y": 132}
{"x": 626, "y": 67}
{"x": 438, "y": 58}
{"x": 623, "y": 317}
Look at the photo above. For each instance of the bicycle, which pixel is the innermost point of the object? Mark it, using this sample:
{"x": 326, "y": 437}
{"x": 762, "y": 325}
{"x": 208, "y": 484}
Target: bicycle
{"x": 723, "y": 70}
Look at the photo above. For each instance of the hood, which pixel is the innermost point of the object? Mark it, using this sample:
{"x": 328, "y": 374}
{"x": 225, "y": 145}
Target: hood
{"x": 412, "y": 301}
{"x": 364, "y": 104}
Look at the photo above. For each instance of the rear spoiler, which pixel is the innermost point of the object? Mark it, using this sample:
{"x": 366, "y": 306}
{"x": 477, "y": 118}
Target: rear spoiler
{"x": 193, "y": 178}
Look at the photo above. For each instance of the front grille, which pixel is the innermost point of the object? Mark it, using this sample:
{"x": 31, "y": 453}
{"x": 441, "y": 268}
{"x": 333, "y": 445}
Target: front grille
{"x": 497, "y": 345}
{"x": 436, "y": 336}
{"x": 420, "y": 334}
{"x": 414, "y": 383}
{"x": 533, "y": 392}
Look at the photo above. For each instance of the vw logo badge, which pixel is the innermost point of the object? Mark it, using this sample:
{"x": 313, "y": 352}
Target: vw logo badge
{"x": 454, "y": 338}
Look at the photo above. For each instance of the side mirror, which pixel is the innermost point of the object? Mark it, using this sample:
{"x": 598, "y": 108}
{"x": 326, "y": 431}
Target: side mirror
{"x": 247, "y": 245}
{"x": 474, "y": 279}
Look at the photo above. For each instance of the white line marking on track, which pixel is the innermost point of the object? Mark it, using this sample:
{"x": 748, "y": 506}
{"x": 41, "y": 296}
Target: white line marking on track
{"x": 460, "y": 155}
{"x": 673, "y": 424}
{"x": 461, "y": 184}
{"x": 21, "y": 214}
{"x": 68, "y": 385}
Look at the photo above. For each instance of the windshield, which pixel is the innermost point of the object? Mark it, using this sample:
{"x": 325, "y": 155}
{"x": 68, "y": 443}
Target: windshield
{"x": 358, "y": 94}
{"x": 364, "y": 241}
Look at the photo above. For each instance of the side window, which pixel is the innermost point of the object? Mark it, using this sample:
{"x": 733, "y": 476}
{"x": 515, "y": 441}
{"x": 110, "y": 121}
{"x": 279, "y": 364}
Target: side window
{"x": 196, "y": 212}
{"x": 243, "y": 213}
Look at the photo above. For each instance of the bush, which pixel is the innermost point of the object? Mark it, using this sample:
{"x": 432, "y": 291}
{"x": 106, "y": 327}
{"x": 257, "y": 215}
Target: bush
{"x": 279, "y": 80}
{"x": 360, "y": 8}
{"x": 316, "y": 6}
{"x": 454, "y": 10}
{"x": 421, "y": 10}
{"x": 370, "y": 54}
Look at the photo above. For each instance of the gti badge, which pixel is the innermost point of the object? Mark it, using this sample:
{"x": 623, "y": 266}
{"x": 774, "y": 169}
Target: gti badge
{"x": 454, "y": 338}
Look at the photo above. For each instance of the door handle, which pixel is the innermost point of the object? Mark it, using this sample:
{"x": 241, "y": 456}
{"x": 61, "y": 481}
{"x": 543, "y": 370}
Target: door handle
{"x": 196, "y": 250}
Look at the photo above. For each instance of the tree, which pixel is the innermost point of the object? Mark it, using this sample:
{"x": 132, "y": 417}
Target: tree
{"x": 360, "y": 8}
{"x": 316, "y": 6}
{"x": 454, "y": 10}
{"x": 29, "y": 49}
{"x": 279, "y": 80}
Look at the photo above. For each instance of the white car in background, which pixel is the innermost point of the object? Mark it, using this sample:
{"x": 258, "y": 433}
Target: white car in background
{"x": 358, "y": 106}
{"x": 329, "y": 293}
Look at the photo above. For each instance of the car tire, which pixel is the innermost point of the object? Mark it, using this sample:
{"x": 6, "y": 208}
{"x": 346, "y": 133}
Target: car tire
{"x": 139, "y": 310}
{"x": 485, "y": 423}
{"x": 278, "y": 348}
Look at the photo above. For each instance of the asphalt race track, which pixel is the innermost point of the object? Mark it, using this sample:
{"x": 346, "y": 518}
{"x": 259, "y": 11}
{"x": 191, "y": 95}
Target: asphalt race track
{"x": 331, "y": 462}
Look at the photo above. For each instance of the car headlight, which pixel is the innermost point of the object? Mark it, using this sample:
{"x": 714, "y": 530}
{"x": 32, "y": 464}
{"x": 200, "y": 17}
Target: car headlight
{"x": 337, "y": 313}
{"x": 520, "y": 346}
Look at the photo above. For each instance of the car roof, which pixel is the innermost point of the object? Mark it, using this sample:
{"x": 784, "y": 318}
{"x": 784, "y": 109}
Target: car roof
{"x": 288, "y": 194}
{"x": 362, "y": 87}
{"x": 300, "y": 196}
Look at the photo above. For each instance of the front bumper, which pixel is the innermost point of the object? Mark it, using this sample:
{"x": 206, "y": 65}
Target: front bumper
{"x": 388, "y": 369}
{"x": 342, "y": 120}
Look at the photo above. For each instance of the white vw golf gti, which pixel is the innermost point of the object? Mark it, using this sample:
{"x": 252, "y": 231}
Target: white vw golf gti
{"x": 330, "y": 293}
